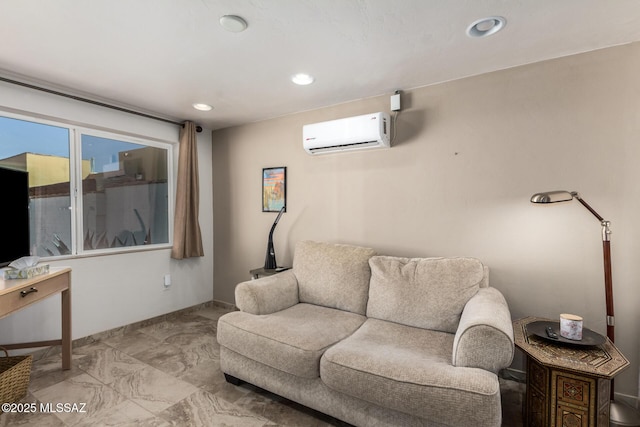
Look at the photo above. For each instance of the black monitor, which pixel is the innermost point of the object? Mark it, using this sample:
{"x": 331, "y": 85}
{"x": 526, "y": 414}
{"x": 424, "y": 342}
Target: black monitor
{"x": 14, "y": 191}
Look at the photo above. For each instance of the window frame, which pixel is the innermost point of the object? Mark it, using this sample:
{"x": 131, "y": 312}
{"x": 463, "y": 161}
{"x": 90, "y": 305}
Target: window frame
{"x": 76, "y": 131}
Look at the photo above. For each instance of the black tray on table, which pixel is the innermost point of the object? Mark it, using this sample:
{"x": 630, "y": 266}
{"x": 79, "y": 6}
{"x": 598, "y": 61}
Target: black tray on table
{"x": 589, "y": 338}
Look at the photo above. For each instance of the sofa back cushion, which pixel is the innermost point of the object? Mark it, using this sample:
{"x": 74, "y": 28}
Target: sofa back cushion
{"x": 427, "y": 293}
{"x": 333, "y": 275}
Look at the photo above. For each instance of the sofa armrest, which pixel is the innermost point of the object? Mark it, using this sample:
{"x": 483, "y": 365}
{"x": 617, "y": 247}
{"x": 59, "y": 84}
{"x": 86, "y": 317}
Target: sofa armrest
{"x": 484, "y": 338}
{"x": 268, "y": 294}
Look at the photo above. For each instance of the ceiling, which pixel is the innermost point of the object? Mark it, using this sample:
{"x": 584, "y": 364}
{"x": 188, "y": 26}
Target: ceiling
{"x": 161, "y": 56}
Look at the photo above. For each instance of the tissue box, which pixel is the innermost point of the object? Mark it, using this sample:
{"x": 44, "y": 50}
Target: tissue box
{"x": 26, "y": 273}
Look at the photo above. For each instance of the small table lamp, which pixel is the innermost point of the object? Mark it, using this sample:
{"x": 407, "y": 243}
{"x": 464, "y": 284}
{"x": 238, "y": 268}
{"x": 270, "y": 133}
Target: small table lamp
{"x": 619, "y": 415}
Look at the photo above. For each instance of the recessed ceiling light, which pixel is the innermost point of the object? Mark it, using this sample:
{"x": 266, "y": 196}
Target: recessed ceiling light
{"x": 302, "y": 79}
{"x": 202, "y": 107}
{"x": 233, "y": 23}
{"x": 486, "y": 26}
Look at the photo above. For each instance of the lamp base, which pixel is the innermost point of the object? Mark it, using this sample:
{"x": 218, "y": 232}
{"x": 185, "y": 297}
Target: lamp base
{"x": 621, "y": 415}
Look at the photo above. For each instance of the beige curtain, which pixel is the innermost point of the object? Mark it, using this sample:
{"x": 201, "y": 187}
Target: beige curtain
{"x": 187, "y": 240}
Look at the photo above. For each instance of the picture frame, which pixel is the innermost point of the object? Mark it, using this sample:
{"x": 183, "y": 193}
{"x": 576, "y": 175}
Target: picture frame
{"x": 274, "y": 189}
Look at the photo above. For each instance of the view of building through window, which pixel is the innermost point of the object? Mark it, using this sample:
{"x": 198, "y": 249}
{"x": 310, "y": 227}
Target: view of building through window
{"x": 122, "y": 188}
{"x": 124, "y": 198}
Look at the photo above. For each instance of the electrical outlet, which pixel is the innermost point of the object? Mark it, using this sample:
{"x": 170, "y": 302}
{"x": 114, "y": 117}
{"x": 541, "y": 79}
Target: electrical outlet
{"x": 167, "y": 281}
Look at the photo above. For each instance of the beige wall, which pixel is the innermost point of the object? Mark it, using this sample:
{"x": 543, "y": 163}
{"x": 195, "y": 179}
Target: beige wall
{"x": 467, "y": 157}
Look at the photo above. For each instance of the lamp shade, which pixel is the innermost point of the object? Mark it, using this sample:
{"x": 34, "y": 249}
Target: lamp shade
{"x": 552, "y": 197}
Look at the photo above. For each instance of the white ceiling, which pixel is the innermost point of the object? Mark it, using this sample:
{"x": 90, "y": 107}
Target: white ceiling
{"x": 161, "y": 56}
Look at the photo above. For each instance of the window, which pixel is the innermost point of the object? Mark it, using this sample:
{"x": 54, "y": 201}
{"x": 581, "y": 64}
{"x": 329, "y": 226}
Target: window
{"x": 43, "y": 152}
{"x": 89, "y": 191}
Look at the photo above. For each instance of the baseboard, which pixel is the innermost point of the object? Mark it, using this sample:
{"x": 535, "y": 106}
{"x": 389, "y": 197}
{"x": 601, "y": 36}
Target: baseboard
{"x": 633, "y": 401}
{"x": 225, "y": 305}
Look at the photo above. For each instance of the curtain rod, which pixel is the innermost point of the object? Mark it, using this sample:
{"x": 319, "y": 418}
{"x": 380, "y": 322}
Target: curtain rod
{"x": 90, "y": 101}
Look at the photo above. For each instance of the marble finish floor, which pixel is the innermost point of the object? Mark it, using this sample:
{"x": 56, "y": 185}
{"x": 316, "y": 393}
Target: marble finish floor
{"x": 167, "y": 374}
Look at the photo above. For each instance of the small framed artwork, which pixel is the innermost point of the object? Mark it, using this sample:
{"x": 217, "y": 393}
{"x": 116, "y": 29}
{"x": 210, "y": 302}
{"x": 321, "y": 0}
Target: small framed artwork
{"x": 274, "y": 189}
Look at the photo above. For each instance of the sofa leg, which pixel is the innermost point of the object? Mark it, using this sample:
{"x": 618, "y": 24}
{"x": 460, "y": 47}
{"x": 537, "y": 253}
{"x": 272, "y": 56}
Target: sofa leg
{"x": 232, "y": 380}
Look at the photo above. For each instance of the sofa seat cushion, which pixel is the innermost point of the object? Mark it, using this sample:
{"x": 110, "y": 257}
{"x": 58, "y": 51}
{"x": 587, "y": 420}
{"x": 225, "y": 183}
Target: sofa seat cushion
{"x": 427, "y": 293}
{"x": 409, "y": 370}
{"x": 291, "y": 340}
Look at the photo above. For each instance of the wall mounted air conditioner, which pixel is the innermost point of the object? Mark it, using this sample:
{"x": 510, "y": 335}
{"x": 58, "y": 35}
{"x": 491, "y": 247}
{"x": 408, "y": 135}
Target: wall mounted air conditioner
{"x": 353, "y": 133}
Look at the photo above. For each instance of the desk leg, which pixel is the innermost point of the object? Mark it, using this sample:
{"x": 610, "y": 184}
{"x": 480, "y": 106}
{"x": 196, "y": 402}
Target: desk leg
{"x": 66, "y": 329}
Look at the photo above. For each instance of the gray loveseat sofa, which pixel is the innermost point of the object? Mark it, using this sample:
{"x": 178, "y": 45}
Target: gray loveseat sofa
{"x": 373, "y": 340}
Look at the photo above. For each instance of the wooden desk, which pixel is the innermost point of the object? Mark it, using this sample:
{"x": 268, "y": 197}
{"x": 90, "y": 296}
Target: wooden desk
{"x": 567, "y": 385}
{"x": 16, "y": 294}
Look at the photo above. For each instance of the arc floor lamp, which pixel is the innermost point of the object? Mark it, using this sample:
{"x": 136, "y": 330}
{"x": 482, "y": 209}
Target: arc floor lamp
{"x": 619, "y": 415}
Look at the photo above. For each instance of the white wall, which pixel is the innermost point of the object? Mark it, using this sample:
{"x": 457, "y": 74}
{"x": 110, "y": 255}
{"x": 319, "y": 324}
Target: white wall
{"x": 115, "y": 290}
{"x": 468, "y": 156}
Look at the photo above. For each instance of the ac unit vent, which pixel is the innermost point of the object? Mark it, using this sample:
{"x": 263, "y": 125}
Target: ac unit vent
{"x": 353, "y": 133}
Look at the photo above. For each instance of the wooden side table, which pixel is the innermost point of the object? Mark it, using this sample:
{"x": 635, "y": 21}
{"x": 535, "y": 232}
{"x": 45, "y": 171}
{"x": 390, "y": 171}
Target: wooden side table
{"x": 17, "y": 294}
{"x": 567, "y": 385}
{"x": 257, "y": 272}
